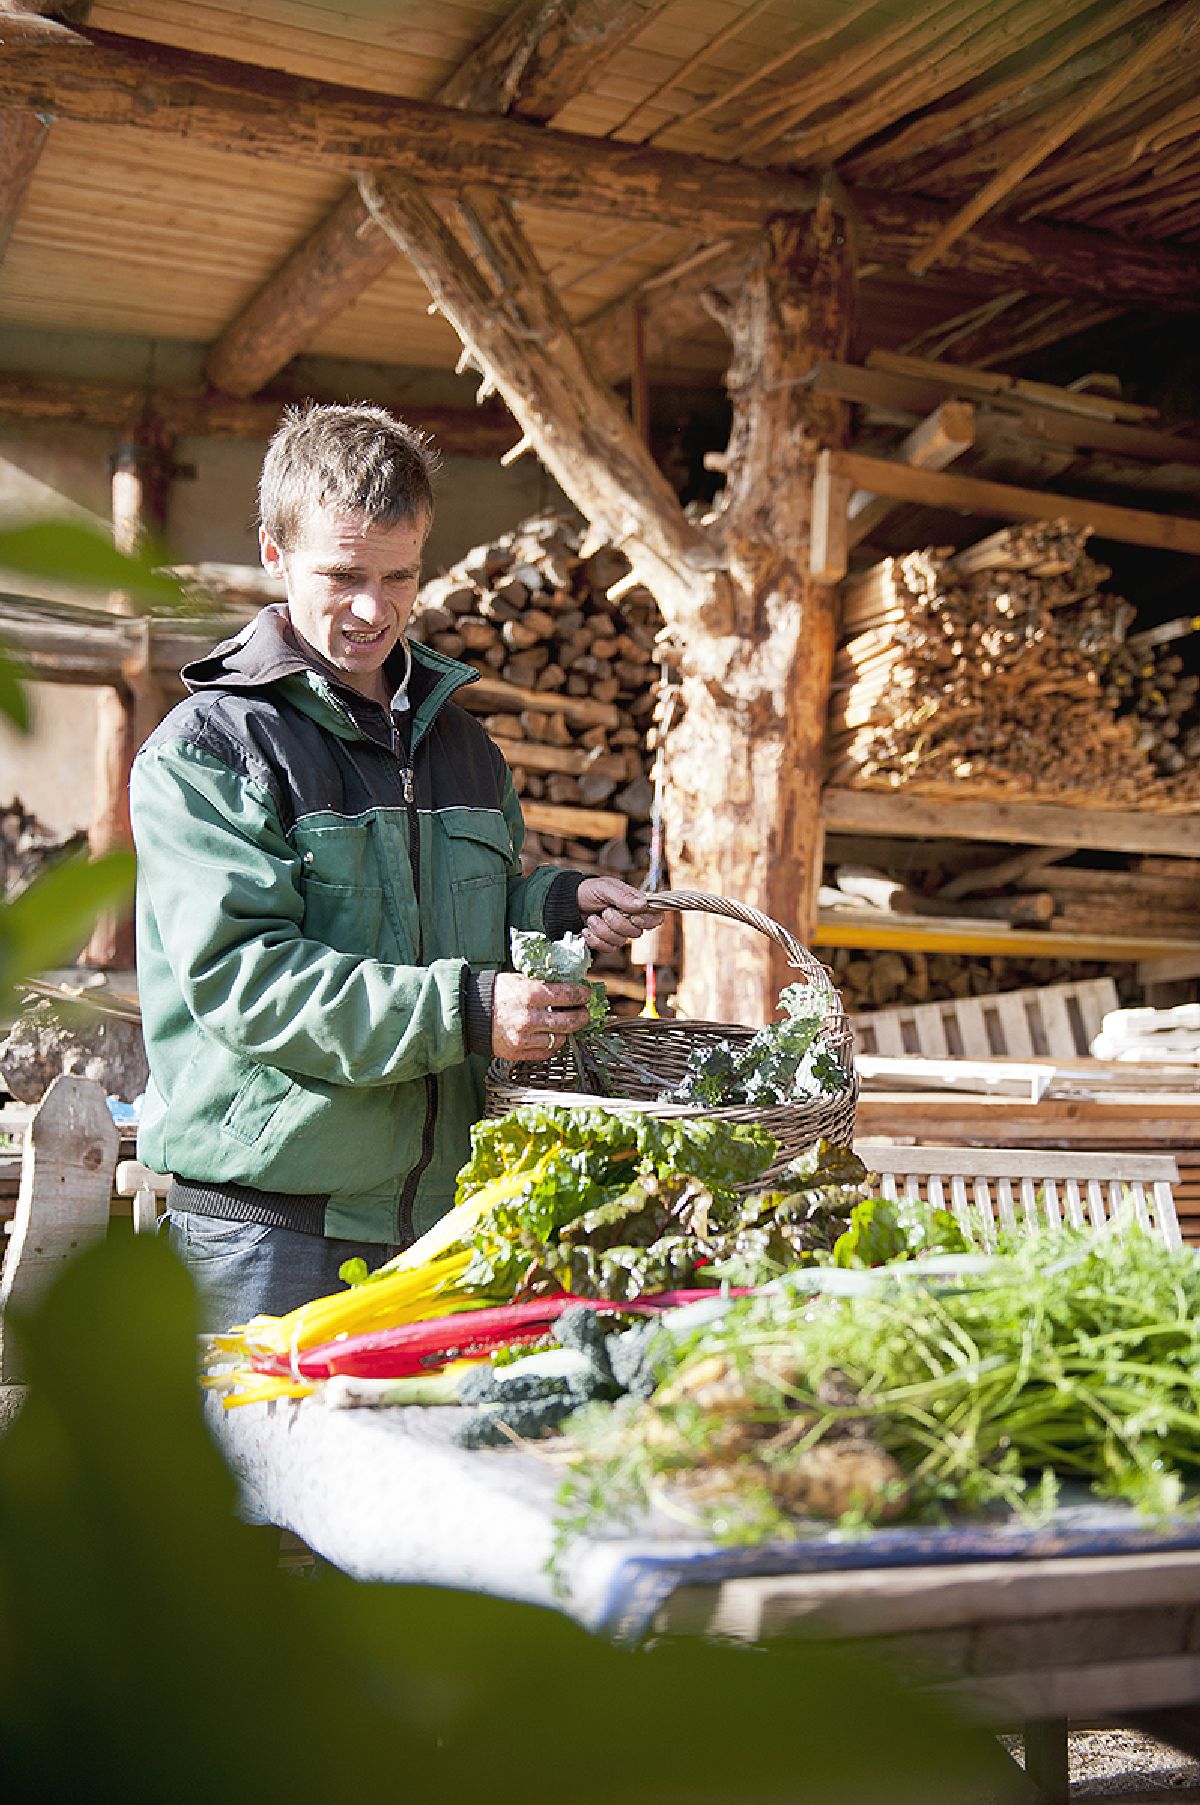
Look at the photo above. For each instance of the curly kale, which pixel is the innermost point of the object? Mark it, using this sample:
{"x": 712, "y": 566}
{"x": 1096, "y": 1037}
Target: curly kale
{"x": 781, "y": 1063}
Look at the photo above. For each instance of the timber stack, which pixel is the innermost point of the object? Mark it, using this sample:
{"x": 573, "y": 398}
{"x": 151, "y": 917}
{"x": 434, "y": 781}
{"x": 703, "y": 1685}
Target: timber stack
{"x": 569, "y": 683}
{"x": 997, "y": 665}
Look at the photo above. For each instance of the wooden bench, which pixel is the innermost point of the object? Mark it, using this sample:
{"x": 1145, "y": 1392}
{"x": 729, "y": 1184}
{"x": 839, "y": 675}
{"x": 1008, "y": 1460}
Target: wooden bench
{"x": 1057, "y": 1021}
{"x": 1027, "y": 1189}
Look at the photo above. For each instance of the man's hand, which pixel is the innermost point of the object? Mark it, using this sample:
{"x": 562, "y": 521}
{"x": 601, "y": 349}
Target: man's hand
{"x": 531, "y": 1020}
{"x": 613, "y": 913}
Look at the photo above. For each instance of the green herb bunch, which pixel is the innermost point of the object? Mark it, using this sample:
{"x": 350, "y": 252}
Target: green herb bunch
{"x": 987, "y": 1380}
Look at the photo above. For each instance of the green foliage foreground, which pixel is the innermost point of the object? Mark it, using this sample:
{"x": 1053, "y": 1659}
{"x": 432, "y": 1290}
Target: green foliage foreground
{"x": 151, "y": 1650}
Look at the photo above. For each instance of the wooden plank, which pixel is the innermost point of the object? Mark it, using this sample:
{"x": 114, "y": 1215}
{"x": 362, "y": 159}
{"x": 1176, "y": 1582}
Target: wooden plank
{"x": 922, "y": 933}
{"x": 1016, "y": 1162}
{"x": 70, "y": 1151}
{"x": 1032, "y": 823}
{"x": 881, "y": 1601}
{"x": 918, "y": 395}
{"x": 1014, "y": 1024}
{"x": 1005, "y": 501}
{"x": 937, "y": 441}
{"x": 574, "y": 823}
{"x": 829, "y": 542}
{"x": 995, "y": 382}
{"x": 37, "y": 400}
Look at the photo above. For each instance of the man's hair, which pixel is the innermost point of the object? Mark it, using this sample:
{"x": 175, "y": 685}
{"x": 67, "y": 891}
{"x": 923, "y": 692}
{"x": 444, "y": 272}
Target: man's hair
{"x": 353, "y": 460}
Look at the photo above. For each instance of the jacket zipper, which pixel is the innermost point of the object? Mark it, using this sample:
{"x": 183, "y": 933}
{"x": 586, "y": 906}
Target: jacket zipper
{"x": 404, "y": 1209}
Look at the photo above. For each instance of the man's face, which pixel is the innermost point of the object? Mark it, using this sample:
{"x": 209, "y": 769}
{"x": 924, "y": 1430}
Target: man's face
{"x": 351, "y": 584}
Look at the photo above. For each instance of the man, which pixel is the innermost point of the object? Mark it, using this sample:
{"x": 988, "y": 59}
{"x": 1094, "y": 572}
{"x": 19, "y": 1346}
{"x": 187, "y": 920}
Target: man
{"x": 328, "y": 851}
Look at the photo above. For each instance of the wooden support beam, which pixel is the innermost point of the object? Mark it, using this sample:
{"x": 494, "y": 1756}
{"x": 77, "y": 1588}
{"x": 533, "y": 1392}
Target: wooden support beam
{"x": 544, "y": 52}
{"x": 23, "y": 134}
{"x": 41, "y": 400}
{"x": 521, "y": 338}
{"x": 129, "y": 712}
{"x": 939, "y": 439}
{"x": 539, "y": 55}
{"x": 829, "y": 542}
{"x": 1004, "y": 501}
{"x": 22, "y": 138}
{"x": 104, "y": 78}
{"x": 1172, "y": 34}
{"x": 51, "y": 642}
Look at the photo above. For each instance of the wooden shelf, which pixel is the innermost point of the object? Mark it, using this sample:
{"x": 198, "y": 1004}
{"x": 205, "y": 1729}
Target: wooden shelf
{"x": 926, "y": 934}
{"x": 917, "y": 815}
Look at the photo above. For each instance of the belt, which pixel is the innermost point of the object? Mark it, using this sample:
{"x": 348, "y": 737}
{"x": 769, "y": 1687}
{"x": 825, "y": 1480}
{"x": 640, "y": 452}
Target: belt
{"x": 240, "y": 1203}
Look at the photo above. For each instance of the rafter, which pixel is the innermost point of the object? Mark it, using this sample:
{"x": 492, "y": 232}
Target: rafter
{"x": 23, "y": 136}
{"x": 101, "y": 78}
{"x": 539, "y": 56}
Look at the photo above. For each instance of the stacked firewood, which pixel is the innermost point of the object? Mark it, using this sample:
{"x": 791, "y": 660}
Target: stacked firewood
{"x": 990, "y": 666}
{"x": 565, "y": 644}
{"x": 1147, "y": 679}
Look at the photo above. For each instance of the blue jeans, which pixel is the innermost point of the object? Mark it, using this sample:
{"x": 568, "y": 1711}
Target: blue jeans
{"x": 242, "y": 1269}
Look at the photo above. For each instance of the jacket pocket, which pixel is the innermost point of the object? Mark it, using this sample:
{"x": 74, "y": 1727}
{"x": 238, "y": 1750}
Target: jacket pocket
{"x": 480, "y": 854}
{"x": 259, "y": 1097}
{"x": 346, "y": 917}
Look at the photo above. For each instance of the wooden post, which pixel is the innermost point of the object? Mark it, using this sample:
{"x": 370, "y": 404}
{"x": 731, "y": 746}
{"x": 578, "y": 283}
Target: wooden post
{"x": 745, "y": 764}
{"x": 129, "y": 711}
{"x": 66, "y": 1182}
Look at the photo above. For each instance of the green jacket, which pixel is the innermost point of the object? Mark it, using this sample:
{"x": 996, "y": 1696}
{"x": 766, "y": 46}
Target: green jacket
{"x": 317, "y": 901}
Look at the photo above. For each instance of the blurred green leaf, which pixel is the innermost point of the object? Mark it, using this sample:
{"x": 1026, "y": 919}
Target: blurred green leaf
{"x": 14, "y": 704}
{"x": 136, "y": 1610}
{"x": 51, "y": 920}
{"x": 63, "y": 551}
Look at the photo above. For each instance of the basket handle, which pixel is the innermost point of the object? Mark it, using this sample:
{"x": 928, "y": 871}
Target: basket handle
{"x": 798, "y": 955}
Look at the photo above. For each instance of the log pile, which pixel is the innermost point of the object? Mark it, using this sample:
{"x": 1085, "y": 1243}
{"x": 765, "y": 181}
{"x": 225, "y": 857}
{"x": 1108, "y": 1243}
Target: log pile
{"x": 569, "y": 685}
{"x": 991, "y": 666}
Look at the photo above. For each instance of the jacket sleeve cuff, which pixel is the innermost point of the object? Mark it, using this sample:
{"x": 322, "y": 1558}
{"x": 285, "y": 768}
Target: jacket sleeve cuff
{"x": 477, "y": 988}
{"x": 560, "y": 912}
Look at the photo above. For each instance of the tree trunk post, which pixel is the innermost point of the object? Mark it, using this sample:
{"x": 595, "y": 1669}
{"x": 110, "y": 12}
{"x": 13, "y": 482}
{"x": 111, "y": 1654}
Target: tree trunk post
{"x": 128, "y": 712}
{"x": 745, "y": 764}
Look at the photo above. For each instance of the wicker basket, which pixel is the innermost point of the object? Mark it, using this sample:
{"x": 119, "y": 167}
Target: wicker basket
{"x": 658, "y": 1053}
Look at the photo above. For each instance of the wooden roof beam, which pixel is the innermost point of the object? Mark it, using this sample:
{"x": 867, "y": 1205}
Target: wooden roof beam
{"x": 102, "y": 78}
{"x": 23, "y": 134}
{"x": 44, "y": 400}
{"x": 540, "y": 56}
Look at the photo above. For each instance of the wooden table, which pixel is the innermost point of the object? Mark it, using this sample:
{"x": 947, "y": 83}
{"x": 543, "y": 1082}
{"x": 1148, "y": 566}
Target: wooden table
{"x": 1012, "y": 1643}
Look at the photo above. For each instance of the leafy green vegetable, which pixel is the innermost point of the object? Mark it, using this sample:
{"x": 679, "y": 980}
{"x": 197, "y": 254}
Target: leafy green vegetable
{"x": 782, "y": 1062}
{"x": 565, "y": 961}
{"x": 619, "y": 1179}
{"x": 881, "y": 1232}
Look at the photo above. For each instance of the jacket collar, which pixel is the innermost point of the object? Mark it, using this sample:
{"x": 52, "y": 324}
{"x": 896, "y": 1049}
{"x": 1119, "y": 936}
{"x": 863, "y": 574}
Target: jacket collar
{"x": 268, "y": 651}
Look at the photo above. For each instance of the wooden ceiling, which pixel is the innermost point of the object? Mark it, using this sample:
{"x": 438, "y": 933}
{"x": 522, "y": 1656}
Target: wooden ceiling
{"x": 1077, "y": 115}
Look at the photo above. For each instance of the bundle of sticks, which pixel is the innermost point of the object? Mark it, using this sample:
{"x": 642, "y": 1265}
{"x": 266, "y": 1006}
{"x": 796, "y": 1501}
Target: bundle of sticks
{"x": 1148, "y": 679}
{"x": 565, "y": 644}
{"x": 990, "y": 666}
